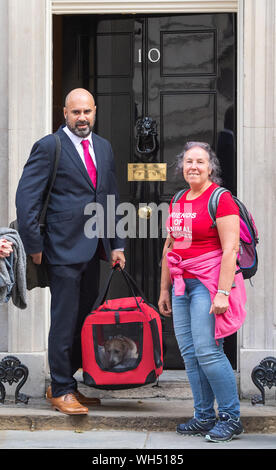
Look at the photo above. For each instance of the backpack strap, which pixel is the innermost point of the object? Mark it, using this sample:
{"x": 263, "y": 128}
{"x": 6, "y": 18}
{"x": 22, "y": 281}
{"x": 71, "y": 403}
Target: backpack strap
{"x": 53, "y": 177}
{"x": 178, "y": 195}
{"x": 214, "y": 201}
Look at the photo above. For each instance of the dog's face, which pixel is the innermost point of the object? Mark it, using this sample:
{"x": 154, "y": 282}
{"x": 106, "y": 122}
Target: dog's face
{"x": 115, "y": 351}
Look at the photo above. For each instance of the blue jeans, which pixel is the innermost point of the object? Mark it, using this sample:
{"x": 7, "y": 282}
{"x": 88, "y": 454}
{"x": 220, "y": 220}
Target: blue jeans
{"x": 209, "y": 372}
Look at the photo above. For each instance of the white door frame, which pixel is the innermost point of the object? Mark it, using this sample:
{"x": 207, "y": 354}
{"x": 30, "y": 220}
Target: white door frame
{"x": 63, "y": 7}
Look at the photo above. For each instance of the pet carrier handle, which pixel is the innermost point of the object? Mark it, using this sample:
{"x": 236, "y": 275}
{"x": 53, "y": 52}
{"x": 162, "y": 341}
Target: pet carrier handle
{"x": 130, "y": 282}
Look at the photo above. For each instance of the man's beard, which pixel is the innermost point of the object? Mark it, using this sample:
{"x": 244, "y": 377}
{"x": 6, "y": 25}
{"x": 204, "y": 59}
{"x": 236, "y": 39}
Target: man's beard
{"x": 80, "y": 132}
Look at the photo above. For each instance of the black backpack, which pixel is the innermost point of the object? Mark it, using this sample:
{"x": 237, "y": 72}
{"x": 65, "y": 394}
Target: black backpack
{"x": 247, "y": 257}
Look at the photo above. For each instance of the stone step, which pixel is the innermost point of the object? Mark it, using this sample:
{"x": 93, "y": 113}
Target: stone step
{"x": 151, "y": 414}
{"x": 151, "y": 408}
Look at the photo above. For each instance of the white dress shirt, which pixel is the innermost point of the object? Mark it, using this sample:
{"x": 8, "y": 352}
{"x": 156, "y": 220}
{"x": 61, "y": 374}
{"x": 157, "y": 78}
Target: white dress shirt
{"x": 77, "y": 143}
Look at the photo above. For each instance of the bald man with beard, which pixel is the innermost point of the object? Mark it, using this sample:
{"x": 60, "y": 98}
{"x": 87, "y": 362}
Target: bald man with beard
{"x": 73, "y": 259}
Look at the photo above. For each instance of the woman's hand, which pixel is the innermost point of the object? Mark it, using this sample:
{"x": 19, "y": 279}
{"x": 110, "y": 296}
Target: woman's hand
{"x": 5, "y": 248}
{"x": 220, "y": 304}
{"x": 164, "y": 303}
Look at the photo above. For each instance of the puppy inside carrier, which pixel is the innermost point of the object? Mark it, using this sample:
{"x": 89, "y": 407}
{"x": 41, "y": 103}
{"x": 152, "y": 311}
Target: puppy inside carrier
{"x": 122, "y": 340}
{"x": 118, "y": 347}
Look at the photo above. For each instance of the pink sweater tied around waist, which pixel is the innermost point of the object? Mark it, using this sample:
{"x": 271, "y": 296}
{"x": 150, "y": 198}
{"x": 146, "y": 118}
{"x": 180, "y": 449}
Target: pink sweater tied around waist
{"x": 206, "y": 268}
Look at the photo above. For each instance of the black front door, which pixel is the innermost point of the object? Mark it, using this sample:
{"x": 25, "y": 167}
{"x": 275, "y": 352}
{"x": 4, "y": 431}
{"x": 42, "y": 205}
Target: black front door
{"x": 178, "y": 71}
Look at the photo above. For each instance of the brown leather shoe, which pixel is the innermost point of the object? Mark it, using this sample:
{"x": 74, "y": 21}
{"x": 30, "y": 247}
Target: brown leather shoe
{"x": 69, "y": 405}
{"x": 89, "y": 401}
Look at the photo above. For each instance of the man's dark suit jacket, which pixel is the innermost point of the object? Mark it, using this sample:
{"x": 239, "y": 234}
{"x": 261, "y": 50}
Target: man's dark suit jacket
{"x": 64, "y": 241}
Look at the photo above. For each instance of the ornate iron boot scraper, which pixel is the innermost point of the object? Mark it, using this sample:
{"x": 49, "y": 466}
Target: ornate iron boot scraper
{"x": 11, "y": 370}
{"x": 263, "y": 375}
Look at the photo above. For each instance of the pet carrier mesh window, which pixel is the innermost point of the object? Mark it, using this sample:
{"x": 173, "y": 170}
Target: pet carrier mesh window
{"x": 118, "y": 347}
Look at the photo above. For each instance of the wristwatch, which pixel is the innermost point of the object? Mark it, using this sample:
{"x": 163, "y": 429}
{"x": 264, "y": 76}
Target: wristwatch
{"x": 225, "y": 292}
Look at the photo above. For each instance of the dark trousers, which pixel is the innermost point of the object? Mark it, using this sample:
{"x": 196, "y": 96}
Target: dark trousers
{"x": 74, "y": 289}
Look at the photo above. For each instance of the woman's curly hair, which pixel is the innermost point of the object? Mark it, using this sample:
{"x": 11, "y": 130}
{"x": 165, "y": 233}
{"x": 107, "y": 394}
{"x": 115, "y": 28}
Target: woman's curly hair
{"x": 213, "y": 160}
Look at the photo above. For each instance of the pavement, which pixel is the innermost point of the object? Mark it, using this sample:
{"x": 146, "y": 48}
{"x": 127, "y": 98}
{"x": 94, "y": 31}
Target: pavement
{"x": 141, "y": 441}
{"x": 159, "y": 407}
{"x": 128, "y": 426}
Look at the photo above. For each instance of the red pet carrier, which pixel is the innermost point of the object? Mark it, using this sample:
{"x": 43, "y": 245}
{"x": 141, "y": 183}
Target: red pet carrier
{"x": 122, "y": 341}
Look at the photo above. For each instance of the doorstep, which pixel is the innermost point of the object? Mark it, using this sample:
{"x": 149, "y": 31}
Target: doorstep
{"x": 154, "y": 408}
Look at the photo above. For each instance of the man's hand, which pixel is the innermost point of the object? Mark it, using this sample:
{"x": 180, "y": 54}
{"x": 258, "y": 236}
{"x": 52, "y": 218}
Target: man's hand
{"x": 117, "y": 256}
{"x": 37, "y": 257}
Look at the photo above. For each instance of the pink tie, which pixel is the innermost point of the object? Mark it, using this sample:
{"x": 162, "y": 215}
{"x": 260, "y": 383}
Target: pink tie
{"x": 91, "y": 169}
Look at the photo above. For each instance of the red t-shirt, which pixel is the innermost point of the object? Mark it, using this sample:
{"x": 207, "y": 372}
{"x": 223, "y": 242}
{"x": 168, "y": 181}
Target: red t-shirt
{"x": 189, "y": 223}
